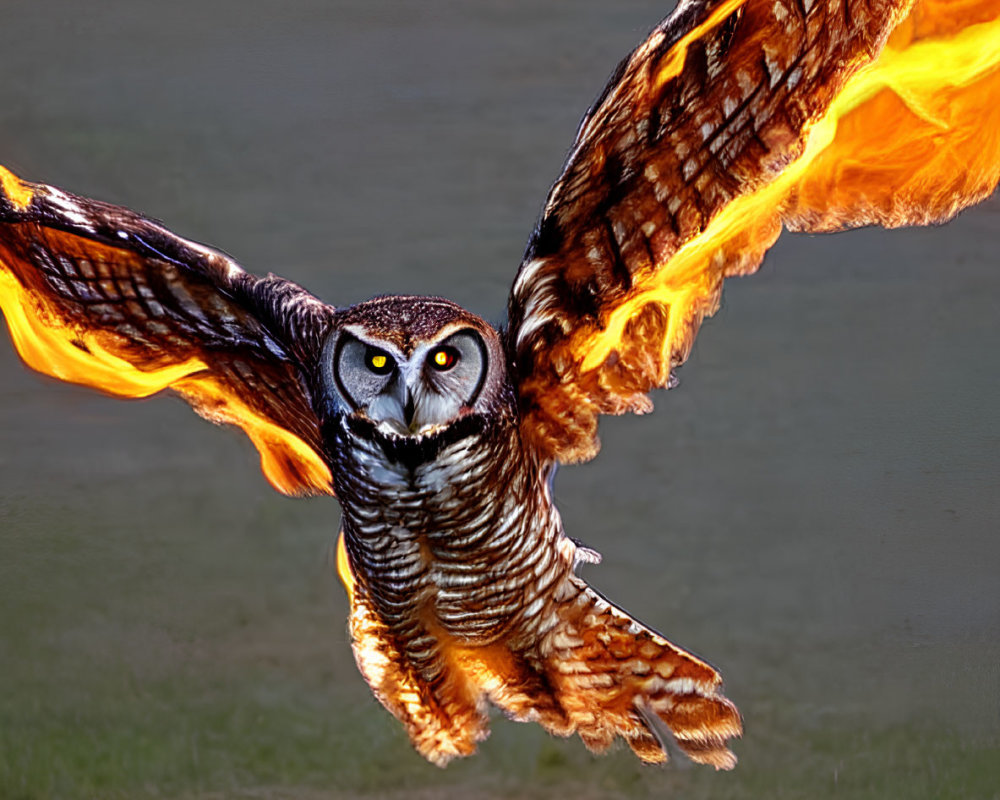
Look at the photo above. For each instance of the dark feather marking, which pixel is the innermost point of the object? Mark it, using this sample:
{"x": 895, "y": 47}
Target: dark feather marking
{"x": 696, "y": 63}
{"x": 727, "y": 30}
{"x": 728, "y": 121}
{"x": 773, "y": 101}
{"x": 547, "y": 239}
{"x": 581, "y": 297}
{"x": 410, "y": 452}
{"x": 619, "y": 267}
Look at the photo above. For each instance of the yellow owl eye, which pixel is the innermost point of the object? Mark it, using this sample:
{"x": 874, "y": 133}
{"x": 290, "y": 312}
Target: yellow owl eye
{"x": 444, "y": 358}
{"x": 379, "y": 362}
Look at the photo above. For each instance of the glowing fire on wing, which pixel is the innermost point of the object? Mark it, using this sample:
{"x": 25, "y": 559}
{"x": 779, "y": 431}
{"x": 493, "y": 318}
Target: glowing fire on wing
{"x": 74, "y": 355}
{"x": 344, "y": 571}
{"x": 913, "y": 138}
{"x": 674, "y": 63}
{"x": 290, "y": 465}
{"x": 71, "y": 353}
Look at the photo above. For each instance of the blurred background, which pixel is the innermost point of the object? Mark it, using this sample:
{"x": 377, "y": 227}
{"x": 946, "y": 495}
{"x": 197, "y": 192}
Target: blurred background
{"x": 814, "y": 509}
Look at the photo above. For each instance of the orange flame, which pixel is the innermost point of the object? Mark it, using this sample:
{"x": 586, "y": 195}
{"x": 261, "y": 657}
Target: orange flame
{"x": 19, "y": 192}
{"x": 290, "y": 465}
{"x": 674, "y": 63}
{"x": 344, "y": 571}
{"x": 914, "y": 137}
{"x": 73, "y": 355}
{"x": 76, "y": 355}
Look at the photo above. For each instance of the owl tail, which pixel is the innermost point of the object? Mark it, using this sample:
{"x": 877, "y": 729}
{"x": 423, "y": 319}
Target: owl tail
{"x": 583, "y": 666}
{"x": 610, "y": 676}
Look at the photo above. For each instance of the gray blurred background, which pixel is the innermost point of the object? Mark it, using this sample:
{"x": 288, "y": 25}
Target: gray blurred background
{"x": 814, "y": 510}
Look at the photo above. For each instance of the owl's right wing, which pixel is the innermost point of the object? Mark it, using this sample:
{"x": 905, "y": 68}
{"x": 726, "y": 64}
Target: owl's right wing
{"x": 98, "y": 295}
{"x": 736, "y": 118}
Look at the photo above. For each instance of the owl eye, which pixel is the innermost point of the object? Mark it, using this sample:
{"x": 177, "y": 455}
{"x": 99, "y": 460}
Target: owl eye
{"x": 379, "y": 362}
{"x": 444, "y": 358}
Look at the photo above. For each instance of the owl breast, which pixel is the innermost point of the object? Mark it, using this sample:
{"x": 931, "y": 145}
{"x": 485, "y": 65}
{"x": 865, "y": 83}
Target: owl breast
{"x": 452, "y": 533}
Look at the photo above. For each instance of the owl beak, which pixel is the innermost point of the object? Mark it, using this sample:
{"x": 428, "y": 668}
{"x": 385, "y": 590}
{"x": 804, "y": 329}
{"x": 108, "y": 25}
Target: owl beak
{"x": 408, "y": 408}
{"x": 403, "y": 408}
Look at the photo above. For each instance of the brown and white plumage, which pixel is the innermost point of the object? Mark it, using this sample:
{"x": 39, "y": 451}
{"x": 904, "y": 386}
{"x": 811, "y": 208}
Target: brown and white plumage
{"x": 714, "y": 133}
{"x": 732, "y": 120}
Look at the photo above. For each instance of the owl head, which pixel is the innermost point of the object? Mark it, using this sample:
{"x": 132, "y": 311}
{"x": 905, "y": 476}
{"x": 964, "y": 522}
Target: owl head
{"x": 413, "y": 365}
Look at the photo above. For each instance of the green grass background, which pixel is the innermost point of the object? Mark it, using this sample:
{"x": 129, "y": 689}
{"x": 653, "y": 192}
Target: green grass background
{"x": 155, "y": 663}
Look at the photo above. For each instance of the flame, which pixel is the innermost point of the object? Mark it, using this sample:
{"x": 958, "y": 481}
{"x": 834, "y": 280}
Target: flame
{"x": 74, "y": 354}
{"x": 912, "y": 138}
{"x": 290, "y": 465}
{"x": 674, "y": 62}
{"x": 344, "y": 571}
{"x": 20, "y": 193}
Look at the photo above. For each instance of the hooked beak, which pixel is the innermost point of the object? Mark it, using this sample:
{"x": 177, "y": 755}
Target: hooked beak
{"x": 395, "y": 408}
{"x": 408, "y": 408}
{"x": 404, "y": 410}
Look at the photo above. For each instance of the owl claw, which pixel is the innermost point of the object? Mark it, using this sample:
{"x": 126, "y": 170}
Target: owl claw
{"x": 585, "y": 555}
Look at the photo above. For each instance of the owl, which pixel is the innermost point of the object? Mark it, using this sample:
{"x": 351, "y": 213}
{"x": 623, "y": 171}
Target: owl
{"x": 440, "y": 434}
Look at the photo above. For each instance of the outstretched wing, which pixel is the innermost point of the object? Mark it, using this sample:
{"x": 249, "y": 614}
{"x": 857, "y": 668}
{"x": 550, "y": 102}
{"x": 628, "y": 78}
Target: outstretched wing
{"x": 734, "y": 118}
{"x": 98, "y": 295}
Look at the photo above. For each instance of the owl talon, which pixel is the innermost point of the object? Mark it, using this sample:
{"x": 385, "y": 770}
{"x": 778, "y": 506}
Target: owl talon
{"x": 586, "y": 555}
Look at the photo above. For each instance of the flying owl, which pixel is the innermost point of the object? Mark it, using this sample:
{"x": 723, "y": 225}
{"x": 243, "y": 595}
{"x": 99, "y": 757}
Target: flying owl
{"x": 440, "y": 434}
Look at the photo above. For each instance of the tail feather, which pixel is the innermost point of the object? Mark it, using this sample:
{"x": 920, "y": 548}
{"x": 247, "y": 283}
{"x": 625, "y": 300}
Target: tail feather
{"x": 586, "y": 667}
{"x": 444, "y": 717}
{"x": 612, "y": 676}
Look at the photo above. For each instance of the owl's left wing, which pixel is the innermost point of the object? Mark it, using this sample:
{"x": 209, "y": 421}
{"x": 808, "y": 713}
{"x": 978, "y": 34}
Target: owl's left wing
{"x": 733, "y": 119}
{"x": 98, "y": 295}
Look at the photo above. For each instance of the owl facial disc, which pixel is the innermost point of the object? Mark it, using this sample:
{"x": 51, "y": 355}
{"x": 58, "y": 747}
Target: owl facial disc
{"x": 413, "y": 392}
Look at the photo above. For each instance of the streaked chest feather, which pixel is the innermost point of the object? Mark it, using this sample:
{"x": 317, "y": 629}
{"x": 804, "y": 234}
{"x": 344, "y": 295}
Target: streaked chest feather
{"x": 464, "y": 535}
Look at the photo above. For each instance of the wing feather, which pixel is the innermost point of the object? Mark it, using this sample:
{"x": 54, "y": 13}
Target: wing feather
{"x": 97, "y": 295}
{"x": 733, "y": 119}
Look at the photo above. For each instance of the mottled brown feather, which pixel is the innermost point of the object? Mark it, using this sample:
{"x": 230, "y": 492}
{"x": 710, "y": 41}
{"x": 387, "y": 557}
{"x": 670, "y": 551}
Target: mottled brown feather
{"x": 713, "y": 108}
{"x": 116, "y": 302}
